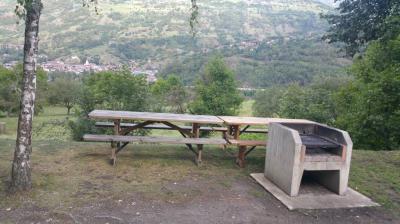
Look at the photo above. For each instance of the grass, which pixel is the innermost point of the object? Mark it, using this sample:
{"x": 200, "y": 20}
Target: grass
{"x": 49, "y": 114}
{"x": 75, "y": 173}
{"x": 377, "y": 175}
{"x": 68, "y": 173}
{"x": 246, "y": 108}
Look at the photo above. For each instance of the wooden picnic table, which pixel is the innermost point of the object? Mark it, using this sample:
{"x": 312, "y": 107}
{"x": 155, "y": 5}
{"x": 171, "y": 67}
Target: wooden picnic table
{"x": 230, "y": 126}
{"x": 148, "y": 118}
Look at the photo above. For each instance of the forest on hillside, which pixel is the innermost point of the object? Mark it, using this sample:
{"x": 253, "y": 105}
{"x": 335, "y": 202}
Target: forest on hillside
{"x": 266, "y": 42}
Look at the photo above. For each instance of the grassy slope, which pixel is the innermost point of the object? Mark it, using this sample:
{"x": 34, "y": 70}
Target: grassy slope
{"x": 69, "y": 173}
{"x": 156, "y": 33}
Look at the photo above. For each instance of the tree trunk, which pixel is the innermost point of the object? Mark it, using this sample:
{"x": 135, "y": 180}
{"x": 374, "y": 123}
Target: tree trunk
{"x": 21, "y": 169}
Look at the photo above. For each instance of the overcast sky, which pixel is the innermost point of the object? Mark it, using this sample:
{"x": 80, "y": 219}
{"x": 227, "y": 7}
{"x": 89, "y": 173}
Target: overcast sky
{"x": 328, "y": 2}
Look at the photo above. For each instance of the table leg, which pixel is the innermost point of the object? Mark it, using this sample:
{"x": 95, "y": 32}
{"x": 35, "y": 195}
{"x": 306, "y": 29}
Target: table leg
{"x": 196, "y": 134}
{"x": 199, "y": 152}
{"x": 114, "y": 145}
{"x": 241, "y": 149}
{"x": 236, "y": 131}
{"x": 223, "y": 147}
{"x": 241, "y": 155}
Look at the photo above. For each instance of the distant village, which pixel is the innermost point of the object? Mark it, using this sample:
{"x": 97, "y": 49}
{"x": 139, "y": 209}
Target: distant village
{"x": 76, "y": 67}
{"x": 87, "y": 67}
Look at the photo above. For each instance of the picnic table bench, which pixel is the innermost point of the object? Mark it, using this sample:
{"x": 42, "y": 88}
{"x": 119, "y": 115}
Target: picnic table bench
{"x": 229, "y": 126}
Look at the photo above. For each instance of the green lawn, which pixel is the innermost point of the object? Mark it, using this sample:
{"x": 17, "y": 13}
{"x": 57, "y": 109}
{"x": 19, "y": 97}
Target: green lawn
{"x": 49, "y": 115}
{"x": 61, "y": 166}
{"x": 246, "y": 108}
{"x": 377, "y": 175}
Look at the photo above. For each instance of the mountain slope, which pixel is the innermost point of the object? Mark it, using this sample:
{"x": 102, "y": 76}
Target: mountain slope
{"x": 258, "y": 37}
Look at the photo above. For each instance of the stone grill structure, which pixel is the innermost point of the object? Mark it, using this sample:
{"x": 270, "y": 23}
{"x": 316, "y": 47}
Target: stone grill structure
{"x": 321, "y": 151}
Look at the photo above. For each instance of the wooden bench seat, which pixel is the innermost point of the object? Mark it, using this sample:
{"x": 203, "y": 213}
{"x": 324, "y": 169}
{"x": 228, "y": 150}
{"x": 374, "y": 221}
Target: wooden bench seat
{"x": 155, "y": 139}
{"x": 125, "y": 139}
{"x": 247, "y": 142}
{"x": 245, "y": 147}
{"x": 188, "y": 128}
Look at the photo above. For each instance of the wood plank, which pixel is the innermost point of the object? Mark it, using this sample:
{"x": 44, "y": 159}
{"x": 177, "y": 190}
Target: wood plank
{"x": 247, "y": 142}
{"x": 114, "y": 145}
{"x": 149, "y": 116}
{"x": 196, "y": 134}
{"x": 154, "y": 139}
{"x": 165, "y": 127}
{"x": 234, "y": 120}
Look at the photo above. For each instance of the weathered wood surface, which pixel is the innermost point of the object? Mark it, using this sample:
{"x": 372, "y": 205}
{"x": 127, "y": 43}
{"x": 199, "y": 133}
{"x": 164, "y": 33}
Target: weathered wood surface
{"x": 153, "y": 139}
{"x": 165, "y": 127}
{"x": 247, "y": 142}
{"x": 234, "y": 120}
{"x": 148, "y": 116}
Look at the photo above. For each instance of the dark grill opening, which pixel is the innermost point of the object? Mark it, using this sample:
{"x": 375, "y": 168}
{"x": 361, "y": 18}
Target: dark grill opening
{"x": 320, "y": 148}
{"x": 310, "y": 184}
{"x": 314, "y": 141}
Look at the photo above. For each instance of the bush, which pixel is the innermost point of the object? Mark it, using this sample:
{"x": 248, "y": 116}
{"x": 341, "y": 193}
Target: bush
{"x": 216, "y": 91}
{"x": 82, "y": 126}
{"x": 3, "y": 114}
{"x": 267, "y": 102}
{"x": 109, "y": 91}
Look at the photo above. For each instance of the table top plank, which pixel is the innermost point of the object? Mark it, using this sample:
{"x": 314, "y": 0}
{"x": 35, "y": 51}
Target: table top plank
{"x": 235, "y": 120}
{"x": 154, "y": 139}
{"x": 149, "y": 116}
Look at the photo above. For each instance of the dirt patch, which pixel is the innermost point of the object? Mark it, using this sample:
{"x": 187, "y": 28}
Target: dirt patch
{"x": 206, "y": 201}
{"x": 158, "y": 185}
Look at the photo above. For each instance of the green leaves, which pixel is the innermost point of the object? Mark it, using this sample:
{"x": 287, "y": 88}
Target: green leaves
{"x": 111, "y": 90}
{"x": 10, "y": 89}
{"x": 64, "y": 92}
{"x": 115, "y": 91}
{"x": 374, "y": 121}
{"x": 169, "y": 95}
{"x": 360, "y": 22}
{"x": 216, "y": 91}
{"x": 267, "y": 102}
{"x": 316, "y": 102}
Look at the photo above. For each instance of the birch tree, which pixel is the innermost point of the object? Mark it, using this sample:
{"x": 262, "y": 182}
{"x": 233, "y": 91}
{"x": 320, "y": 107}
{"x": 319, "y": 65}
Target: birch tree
{"x": 30, "y": 11}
